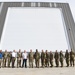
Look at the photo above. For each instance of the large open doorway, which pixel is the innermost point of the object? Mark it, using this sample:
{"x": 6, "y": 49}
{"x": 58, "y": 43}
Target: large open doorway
{"x": 34, "y": 28}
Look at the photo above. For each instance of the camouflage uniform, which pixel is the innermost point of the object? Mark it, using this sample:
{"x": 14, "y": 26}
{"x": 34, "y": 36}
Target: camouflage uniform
{"x": 42, "y": 59}
{"x": 56, "y": 56}
{"x": 9, "y": 56}
{"x": 31, "y": 58}
{"x": 37, "y": 57}
{"x": 19, "y": 55}
{"x": 13, "y": 58}
{"x": 61, "y": 58}
{"x": 67, "y": 57}
{"x": 5, "y": 58}
{"x": 46, "y": 59}
{"x": 51, "y": 59}
{"x": 72, "y": 54}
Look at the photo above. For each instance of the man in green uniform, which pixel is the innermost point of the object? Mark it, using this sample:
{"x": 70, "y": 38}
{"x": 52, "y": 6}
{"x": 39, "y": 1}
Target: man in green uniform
{"x": 56, "y": 56}
{"x": 9, "y": 57}
{"x": 46, "y": 59}
{"x": 51, "y": 58}
{"x": 42, "y": 59}
{"x": 72, "y": 54}
{"x": 37, "y": 58}
{"x": 5, "y": 58}
{"x": 19, "y": 56}
{"x": 61, "y": 58}
{"x": 14, "y": 55}
{"x": 31, "y": 58}
{"x": 67, "y": 58}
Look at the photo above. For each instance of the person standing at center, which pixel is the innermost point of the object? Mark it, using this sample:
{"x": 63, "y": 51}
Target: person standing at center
{"x": 61, "y": 58}
{"x": 19, "y": 55}
{"x": 9, "y": 58}
{"x": 67, "y": 56}
{"x": 56, "y": 56}
{"x": 72, "y": 55}
{"x": 5, "y": 58}
{"x": 51, "y": 58}
{"x": 37, "y": 58}
{"x": 46, "y": 59}
{"x": 31, "y": 58}
{"x": 14, "y": 55}
{"x": 42, "y": 59}
{"x": 24, "y": 56}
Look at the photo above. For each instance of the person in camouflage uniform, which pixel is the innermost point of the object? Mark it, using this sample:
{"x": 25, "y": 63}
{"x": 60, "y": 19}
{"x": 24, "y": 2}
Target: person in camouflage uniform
{"x": 9, "y": 56}
{"x": 56, "y": 56}
{"x": 46, "y": 59}
{"x": 67, "y": 58}
{"x": 51, "y": 58}
{"x": 42, "y": 59}
{"x": 5, "y": 58}
{"x": 31, "y": 58}
{"x": 14, "y": 55}
{"x": 61, "y": 58}
{"x": 72, "y": 54}
{"x": 19, "y": 56}
{"x": 37, "y": 58}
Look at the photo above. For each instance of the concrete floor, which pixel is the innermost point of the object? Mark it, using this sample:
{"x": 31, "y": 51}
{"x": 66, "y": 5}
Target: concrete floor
{"x": 38, "y": 71}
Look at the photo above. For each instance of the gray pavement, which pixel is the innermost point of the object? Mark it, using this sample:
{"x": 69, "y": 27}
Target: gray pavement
{"x": 38, "y": 71}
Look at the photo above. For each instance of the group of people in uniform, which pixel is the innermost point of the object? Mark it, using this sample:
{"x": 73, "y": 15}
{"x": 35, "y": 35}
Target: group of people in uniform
{"x": 7, "y": 59}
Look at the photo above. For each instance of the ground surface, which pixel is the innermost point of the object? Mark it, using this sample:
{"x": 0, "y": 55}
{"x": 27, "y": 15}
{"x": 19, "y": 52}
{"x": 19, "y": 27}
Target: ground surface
{"x": 38, "y": 71}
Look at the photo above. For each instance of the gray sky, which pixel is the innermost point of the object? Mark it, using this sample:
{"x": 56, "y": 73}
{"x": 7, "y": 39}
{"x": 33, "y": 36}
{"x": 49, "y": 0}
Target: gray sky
{"x": 28, "y": 28}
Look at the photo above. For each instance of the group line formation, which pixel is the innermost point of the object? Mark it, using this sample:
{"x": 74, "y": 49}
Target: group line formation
{"x": 46, "y": 58}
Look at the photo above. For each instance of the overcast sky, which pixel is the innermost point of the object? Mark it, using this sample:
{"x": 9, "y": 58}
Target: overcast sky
{"x": 27, "y": 28}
